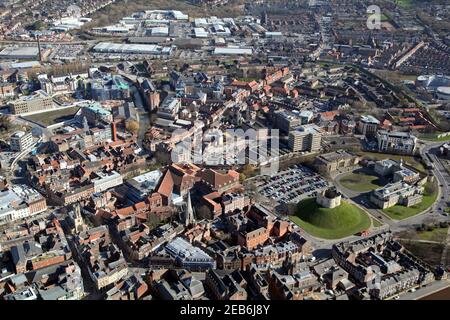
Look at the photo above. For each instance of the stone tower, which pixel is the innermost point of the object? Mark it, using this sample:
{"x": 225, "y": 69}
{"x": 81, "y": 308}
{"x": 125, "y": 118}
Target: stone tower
{"x": 189, "y": 214}
{"x": 79, "y": 222}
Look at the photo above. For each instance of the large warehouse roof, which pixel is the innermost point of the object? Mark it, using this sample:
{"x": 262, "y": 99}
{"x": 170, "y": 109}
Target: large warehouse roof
{"x": 232, "y": 51}
{"x": 129, "y": 48}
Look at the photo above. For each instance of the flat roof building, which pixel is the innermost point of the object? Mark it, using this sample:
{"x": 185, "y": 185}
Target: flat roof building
{"x": 228, "y": 51}
{"x": 330, "y": 162}
{"x": 37, "y": 101}
{"x": 143, "y": 185}
{"x": 188, "y": 256}
{"x": 200, "y": 33}
{"x": 30, "y": 53}
{"x": 396, "y": 142}
{"x": 21, "y": 141}
{"x": 20, "y": 201}
{"x": 305, "y": 138}
{"x": 125, "y": 48}
{"x": 397, "y": 193}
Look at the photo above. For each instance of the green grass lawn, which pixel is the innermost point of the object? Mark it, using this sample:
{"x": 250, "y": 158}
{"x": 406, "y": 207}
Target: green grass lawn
{"x": 340, "y": 222}
{"x": 405, "y": 3}
{"x": 434, "y": 137}
{"x": 361, "y": 182}
{"x": 438, "y": 235}
{"x": 54, "y": 116}
{"x": 384, "y": 17}
{"x": 376, "y": 223}
{"x": 409, "y": 160}
{"x": 399, "y": 212}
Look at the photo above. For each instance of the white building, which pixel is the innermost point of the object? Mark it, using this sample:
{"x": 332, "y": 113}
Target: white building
{"x": 443, "y": 93}
{"x": 397, "y": 193}
{"x": 368, "y": 125}
{"x": 230, "y": 51}
{"x": 20, "y": 201}
{"x": 200, "y": 32}
{"x": 169, "y": 108}
{"x": 21, "y": 141}
{"x": 396, "y": 142}
{"x": 105, "y": 181}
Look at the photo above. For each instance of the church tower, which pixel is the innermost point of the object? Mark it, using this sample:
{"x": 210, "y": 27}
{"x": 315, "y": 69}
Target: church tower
{"x": 79, "y": 222}
{"x": 189, "y": 214}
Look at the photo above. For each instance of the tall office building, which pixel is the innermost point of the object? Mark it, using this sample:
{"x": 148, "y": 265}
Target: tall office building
{"x": 21, "y": 141}
{"x": 305, "y": 138}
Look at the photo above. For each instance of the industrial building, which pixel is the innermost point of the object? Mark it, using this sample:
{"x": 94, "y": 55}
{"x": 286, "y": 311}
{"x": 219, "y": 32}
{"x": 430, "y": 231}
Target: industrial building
{"x": 29, "y": 53}
{"x": 230, "y": 51}
{"x": 125, "y": 48}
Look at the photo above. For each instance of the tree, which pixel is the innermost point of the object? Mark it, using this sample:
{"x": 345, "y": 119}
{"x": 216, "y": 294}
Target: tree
{"x": 5, "y": 123}
{"x": 37, "y": 25}
{"x": 202, "y": 213}
{"x": 184, "y": 67}
{"x": 430, "y": 188}
{"x": 248, "y": 171}
{"x": 132, "y": 126}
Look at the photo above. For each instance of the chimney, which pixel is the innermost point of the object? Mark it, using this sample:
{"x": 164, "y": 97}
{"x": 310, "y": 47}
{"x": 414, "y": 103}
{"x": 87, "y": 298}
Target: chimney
{"x": 39, "y": 48}
{"x": 114, "y": 131}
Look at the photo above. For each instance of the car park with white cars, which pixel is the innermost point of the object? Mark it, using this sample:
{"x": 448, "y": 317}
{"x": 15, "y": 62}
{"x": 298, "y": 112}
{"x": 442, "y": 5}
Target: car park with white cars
{"x": 292, "y": 185}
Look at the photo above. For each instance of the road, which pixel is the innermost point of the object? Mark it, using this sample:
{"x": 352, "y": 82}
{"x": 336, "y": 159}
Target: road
{"x": 439, "y": 171}
{"x": 24, "y": 153}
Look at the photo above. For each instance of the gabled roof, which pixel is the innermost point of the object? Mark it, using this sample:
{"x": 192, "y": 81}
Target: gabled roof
{"x": 166, "y": 186}
{"x": 216, "y": 179}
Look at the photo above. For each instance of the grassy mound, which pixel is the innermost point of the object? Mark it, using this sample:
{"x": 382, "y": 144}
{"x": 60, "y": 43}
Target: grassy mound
{"x": 336, "y": 223}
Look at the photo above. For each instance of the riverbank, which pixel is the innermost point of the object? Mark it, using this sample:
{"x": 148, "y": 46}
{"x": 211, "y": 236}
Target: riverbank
{"x": 440, "y": 295}
{"x": 437, "y": 290}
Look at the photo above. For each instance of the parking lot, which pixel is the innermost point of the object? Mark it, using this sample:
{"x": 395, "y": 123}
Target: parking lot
{"x": 66, "y": 52}
{"x": 291, "y": 185}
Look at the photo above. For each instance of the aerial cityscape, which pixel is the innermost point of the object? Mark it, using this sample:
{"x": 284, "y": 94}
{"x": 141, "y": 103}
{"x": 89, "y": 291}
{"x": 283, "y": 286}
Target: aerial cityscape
{"x": 225, "y": 150}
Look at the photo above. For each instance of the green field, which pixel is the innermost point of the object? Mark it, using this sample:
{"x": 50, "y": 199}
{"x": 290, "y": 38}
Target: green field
{"x": 399, "y": 212}
{"x": 405, "y": 3}
{"x": 361, "y": 182}
{"x": 434, "y": 137}
{"x": 340, "y": 222}
{"x": 438, "y": 235}
{"x": 53, "y": 117}
{"x": 409, "y": 160}
{"x": 376, "y": 223}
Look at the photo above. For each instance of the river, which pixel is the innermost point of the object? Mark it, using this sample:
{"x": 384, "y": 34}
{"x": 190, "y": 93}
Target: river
{"x": 444, "y": 294}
